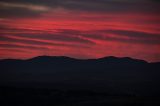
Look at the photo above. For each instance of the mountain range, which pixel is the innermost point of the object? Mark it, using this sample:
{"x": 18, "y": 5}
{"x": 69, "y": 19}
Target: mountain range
{"x": 113, "y": 74}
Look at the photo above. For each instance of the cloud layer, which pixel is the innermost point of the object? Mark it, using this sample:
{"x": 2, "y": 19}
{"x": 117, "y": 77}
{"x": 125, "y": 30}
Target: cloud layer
{"x": 80, "y": 28}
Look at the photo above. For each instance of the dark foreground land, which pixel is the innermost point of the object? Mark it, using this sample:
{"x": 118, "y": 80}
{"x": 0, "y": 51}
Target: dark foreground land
{"x": 64, "y": 81}
{"x": 11, "y": 96}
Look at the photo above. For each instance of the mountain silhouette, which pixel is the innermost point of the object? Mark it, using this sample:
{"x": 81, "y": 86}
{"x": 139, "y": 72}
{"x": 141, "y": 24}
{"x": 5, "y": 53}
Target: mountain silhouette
{"x": 127, "y": 75}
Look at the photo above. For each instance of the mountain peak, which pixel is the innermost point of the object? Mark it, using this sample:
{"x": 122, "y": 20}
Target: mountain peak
{"x": 111, "y": 59}
{"x": 122, "y": 59}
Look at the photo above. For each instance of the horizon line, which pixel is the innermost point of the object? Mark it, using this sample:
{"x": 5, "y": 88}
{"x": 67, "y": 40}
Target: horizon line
{"x": 118, "y": 57}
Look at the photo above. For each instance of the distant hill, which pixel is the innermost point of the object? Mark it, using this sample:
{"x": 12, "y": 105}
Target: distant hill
{"x": 126, "y": 75}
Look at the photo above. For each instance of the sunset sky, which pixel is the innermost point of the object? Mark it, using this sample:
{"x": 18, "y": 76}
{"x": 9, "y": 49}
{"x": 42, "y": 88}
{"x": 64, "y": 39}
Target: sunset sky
{"x": 80, "y": 28}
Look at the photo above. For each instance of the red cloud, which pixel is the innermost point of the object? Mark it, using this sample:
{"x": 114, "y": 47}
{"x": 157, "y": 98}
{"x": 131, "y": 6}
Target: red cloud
{"x": 83, "y": 35}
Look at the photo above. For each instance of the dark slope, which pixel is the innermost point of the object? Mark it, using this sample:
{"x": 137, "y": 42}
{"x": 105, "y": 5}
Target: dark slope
{"x": 127, "y": 75}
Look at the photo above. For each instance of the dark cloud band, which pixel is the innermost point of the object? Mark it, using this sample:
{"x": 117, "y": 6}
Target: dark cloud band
{"x": 107, "y": 6}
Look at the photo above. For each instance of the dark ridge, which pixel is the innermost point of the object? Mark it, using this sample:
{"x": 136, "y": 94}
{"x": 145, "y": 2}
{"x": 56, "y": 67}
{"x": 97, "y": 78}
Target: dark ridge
{"x": 50, "y": 57}
{"x": 109, "y": 58}
{"x": 121, "y": 59}
{"x": 127, "y": 75}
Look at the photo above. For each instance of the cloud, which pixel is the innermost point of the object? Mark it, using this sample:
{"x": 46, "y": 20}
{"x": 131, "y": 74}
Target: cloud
{"x": 37, "y": 7}
{"x": 102, "y": 41}
{"x": 80, "y": 28}
{"x": 11, "y": 10}
{"x": 133, "y": 34}
{"x": 17, "y": 13}
{"x": 18, "y": 46}
{"x": 25, "y": 6}
{"x": 117, "y": 35}
{"x": 77, "y": 37}
{"x": 68, "y": 36}
{"x": 36, "y": 41}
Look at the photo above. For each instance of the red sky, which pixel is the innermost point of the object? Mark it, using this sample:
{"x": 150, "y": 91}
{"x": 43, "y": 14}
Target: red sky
{"x": 80, "y": 29}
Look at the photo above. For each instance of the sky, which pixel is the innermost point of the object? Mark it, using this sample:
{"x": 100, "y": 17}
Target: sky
{"x": 80, "y": 29}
